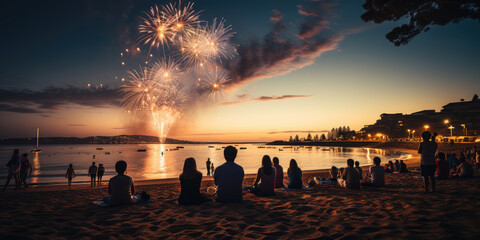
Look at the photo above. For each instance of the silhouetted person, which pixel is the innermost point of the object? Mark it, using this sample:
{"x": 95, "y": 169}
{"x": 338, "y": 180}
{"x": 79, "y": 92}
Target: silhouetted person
{"x": 334, "y": 173}
{"x": 392, "y": 166}
{"x": 208, "y": 166}
{"x": 427, "y": 150}
{"x": 464, "y": 170}
{"x": 403, "y": 167}
{"x": 190, "y": 181}
{"x": 397, "y": 166}
{"x": 100, "y": 173}
{"x": 70, "y": 174}
{"x": 294, "y": 175}
{"x": 14, "y": 166}
{"x": 359, "y": 169}
{"x": 278, "y": 173}
{"x": 442, "y": 169}
{"x": 264, "y": 184}
{"x": 121, "y": 187}
{"x": 25, "y": 169}
{"x": 376, "y": 176}
{"x": 229, "y": 178}
{"x": 212, "y": 169}
{"x": 350, "y": 176}
{"x": 92, "y": 171}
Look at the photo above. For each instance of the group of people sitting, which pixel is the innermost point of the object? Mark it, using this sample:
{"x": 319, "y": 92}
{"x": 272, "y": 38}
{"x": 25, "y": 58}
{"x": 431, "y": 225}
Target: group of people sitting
{"x": 352, "y": 176}
{"x": 19, "y": 167}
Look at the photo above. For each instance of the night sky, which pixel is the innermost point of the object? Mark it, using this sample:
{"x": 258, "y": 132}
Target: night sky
{"x": 350, "y": 74}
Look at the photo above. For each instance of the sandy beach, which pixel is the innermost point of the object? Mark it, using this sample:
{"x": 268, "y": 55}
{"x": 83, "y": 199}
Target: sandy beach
{"x": 400, "y": 210}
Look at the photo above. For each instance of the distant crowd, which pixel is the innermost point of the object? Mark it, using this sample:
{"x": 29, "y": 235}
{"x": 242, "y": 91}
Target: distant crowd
{"x": 228, "y": 177}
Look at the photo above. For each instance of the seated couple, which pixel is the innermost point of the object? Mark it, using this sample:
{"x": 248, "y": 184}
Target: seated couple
{"x": 350, "y": 177}
{"x": 228, "y": 179}
{"x": 270, "y": 177}
{"x": 121, "y": 189}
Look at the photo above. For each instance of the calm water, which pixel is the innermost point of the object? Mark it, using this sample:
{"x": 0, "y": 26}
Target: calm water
{"x": 51, "y": 164}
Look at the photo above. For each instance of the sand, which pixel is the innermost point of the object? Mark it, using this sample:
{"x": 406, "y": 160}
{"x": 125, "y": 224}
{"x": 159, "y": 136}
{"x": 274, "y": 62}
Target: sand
{"x": 400, "y": 210}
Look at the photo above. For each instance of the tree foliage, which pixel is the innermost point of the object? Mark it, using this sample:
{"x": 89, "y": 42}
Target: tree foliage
{"x": 420, "y": 15}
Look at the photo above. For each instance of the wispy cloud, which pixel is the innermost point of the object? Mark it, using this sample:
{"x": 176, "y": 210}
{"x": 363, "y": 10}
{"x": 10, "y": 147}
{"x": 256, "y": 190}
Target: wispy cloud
{"x": 77, "y": 125}
{"x": 247, "y": 98}
{"x": 281, "y": 52}
{"x": 51, "y": 98}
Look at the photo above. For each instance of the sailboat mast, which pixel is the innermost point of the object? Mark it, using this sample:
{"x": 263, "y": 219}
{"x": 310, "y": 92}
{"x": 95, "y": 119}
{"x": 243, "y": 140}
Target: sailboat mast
{"x": 38, "y": 130}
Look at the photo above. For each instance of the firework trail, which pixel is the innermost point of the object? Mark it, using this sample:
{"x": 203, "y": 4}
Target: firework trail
{"x": 162, "y": 90}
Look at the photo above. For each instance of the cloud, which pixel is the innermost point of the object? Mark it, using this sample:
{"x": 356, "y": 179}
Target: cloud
{"x": 17, "y": 109}
{"x": 280, "y": 51}
{"x": 51, "y": 98}
{"x": 247, "y": 98}
{"x": 277, "y": 16}
{"x": 77, "y": 125}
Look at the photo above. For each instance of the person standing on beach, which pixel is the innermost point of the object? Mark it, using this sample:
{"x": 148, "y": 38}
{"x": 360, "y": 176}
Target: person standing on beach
{"x": 212, "y": 169}
{"x": 70, "y": 174}
{"x": 229, "y": 178}
{"x": 208, "y": 166}
{"x": 92, "y": 171}
{"x": 25, "y": 169}
{"x": 279, "y": 173}
{"x": 427, "y": 150}
{"x": 101, "y": 171}
{"x": 14, "y": 166}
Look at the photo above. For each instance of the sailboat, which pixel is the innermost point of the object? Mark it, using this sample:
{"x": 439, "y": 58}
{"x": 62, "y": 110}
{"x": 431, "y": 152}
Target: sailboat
{"x": 37, "y": 150}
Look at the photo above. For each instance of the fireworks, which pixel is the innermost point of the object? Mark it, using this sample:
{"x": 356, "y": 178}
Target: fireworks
{"x": 162, "y": 90}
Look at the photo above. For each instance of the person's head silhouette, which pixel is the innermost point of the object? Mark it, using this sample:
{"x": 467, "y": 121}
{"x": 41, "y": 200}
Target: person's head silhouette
{"x": 426, "y": 136}
{"x": 121, "y": 167}
{"x": 377, "y": 161}
{"x": 276, "y": 162}
{"x": 230, "y": 153}
{"x": 350, "y": 162}
{"x": 16, "y": 152}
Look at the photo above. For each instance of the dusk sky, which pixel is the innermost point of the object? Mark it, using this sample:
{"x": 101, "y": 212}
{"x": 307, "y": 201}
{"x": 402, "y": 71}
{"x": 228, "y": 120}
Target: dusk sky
{"x": 349, "y": 74}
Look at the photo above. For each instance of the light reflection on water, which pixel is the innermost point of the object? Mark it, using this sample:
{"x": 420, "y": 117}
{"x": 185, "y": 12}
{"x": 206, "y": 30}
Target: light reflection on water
{"x": 51, "y": 164}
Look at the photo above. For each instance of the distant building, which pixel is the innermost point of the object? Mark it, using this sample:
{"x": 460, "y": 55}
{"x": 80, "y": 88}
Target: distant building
{"x": 459, "y": 117}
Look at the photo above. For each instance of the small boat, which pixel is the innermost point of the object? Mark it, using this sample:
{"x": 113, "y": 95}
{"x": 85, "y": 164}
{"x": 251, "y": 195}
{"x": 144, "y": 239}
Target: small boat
{"x": 243, "y": 148}
{"x": 107, "y": 153}
{"x": 219, "y": 149}
{"x": 37, "y": 150}
{"x": 180, "y": 147}
{"x": 141, "y": 150}
{"x": 211, "y": 146}
{"x": 280, "y": 149}
{"x": 99, "y": 148}
{"x": 260, "y": 147}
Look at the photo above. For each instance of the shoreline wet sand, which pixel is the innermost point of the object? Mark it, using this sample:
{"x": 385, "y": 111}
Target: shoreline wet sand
{"x": 400, "y": 210}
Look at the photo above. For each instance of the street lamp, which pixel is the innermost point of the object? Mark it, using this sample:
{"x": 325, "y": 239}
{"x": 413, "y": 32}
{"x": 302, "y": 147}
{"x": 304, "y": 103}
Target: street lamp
{"x": 446, "y": 121}
{"x": 451, "y": 130}
{"x": 465, "y": 129}
{"x": 426, "y": 127}
{"x": 408, "y": 130}
{"x": 413, "y": 132}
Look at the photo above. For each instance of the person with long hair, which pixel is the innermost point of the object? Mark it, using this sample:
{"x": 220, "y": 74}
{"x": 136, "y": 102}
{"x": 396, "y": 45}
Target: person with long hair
{"x": 265, "y": 182}
{"x": 190, "y": 181}
{"x": 294, "y": 176}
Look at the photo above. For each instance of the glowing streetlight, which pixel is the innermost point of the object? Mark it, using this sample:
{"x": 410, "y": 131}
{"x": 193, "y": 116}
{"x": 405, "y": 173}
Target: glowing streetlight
{"x": 446, "y": 121}
{"x": 413, "y": 132}
{"x": 451, "y": 130}
{"x": 426, "y": 127}
{"x": 465, "y": 129}
{"x": 408, "y": 130}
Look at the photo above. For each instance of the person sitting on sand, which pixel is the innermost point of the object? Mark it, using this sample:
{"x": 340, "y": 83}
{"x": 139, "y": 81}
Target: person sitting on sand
{"x": 264, "y": 184}
{"x": 334, "y": 173}
{"x": 229, "y": 178}
{"x": 392, "y": 166}
{"x": 100, "y": 172}
{"x": 427, "y": 150}
{"x": 278, "y": 173}
{"x": 190, "y": 181}
{"x": 464, "y": 170}
{"x": 70, "y": 174}
{"x": 453, "y": 161}
{"x": 442, "y": 169}
{"x": 121, "y": 187}
{"x": 25, "y": 169}
{"x": 294, "y": 176}
{"x": 92, "y": 172}
{"x": 14, "y": 166}
{"x": 350, "y": 178}
{"x": 376, "y": 174}
{"x": 359, "y": 169}
{"x": 397, "y": 165}
{"x": 403, "y": 167}
{"x": 387, "y": 168}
